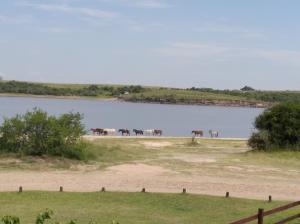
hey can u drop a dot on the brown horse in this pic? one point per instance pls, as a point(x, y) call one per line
point(157, 132)
point(97, 131)
point(199, 133)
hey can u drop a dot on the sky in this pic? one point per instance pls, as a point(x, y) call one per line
point(224, 44)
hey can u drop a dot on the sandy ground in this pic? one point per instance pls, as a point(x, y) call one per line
point(134, 177)
point(206, 176)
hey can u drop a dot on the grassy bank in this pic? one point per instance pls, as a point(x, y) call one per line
point(136, 93)
point(180, 154)
point(131, 208)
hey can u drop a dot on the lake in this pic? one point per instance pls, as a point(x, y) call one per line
point(174, 120)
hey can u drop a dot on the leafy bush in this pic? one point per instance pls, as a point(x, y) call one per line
point(277, 127)
point(36, 133)
point(42, 218)
point(10, 220)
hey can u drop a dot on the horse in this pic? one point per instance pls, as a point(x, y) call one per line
point(157, 132)
point(109, 131)
point(138, 132)
point(214, 134)
point(198, 133)
point(97, 131)
point(149, 132)
point(124, 131)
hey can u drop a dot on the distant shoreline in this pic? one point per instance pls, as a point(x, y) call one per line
point(95, 137)
point(58, 97)
point(222, 103)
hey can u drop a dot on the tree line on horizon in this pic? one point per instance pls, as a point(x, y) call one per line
point(147, 94)
point(43, 89)
point(252, 94)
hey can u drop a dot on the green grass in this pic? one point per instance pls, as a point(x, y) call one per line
point(112, 151)
point(131, 208)
point(154, 208)
point(179, 154)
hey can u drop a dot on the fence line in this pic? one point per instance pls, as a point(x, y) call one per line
point(261, 214)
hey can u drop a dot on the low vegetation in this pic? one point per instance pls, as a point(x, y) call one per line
point(130, 208)
point(247, 96)
point(248, 93)
point(278, 128)
point(37, 134)
point(66, 90)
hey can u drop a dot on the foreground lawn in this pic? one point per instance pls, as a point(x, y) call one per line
point(130, 208)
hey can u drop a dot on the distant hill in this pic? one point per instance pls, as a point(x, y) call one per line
point(136, 93)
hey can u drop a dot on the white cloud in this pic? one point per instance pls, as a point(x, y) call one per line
point(191, 50)
point(217, 52)
point(286, 57)
point(225, 28)
point(55, 30)
point(64, 8)
point(15, 19)
point(149, 4)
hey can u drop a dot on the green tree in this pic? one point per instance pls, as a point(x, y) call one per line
point(278, 126)
point(36, 133)
point(247, 88)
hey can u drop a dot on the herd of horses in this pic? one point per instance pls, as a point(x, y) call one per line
point(149, 132)
point(126, 132)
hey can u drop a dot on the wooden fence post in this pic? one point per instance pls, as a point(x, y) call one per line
point(270, 198)
point(260, 216)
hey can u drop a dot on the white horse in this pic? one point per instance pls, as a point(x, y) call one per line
point(149, 132)
point(109, 131)
point(214, 134)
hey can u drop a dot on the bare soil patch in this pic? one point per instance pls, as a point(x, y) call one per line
point(166, 165)
point(156, 144)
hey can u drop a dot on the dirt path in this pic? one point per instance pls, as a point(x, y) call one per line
point(133, 177)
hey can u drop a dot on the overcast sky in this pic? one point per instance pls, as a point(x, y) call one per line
point(181, 43)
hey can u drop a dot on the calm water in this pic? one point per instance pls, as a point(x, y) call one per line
point(174, 120)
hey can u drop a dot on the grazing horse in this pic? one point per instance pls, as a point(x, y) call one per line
point(124, 131)
point(214, 134)
point(138, 132)
point(198, 133)
point(157, 132)
point(149, 132)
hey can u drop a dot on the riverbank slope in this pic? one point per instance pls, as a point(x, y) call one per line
point(147, 94)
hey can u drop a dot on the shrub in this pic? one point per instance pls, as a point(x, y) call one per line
point(42, 218)
point(36, 133)
point(10, 220)
point(278, 126)
point(259, 141)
